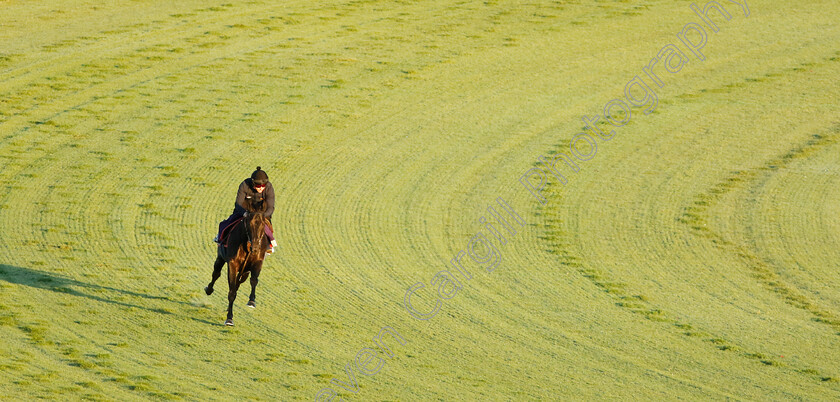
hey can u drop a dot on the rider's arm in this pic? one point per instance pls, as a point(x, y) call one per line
point(269, 199)
point(240, 195)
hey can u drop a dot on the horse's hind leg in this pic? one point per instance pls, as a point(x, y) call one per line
point(255, 278)
point(243, 278)
point(217, 272)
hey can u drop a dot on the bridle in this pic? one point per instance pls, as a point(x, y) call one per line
point(249, 237)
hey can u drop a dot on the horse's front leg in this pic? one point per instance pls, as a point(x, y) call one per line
point(255, 278)
point(233, 286)
point(217, 272)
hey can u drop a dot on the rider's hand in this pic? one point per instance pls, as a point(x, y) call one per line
point(245, 214)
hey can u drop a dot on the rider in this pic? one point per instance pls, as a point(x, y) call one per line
point(257, 187)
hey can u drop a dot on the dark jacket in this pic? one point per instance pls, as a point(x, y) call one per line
point(246, 189)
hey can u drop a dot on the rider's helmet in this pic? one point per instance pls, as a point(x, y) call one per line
point(259, 177)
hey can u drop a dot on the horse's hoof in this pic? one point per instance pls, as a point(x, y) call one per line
point(208, 290)
point(229, 322)
point(252, 304)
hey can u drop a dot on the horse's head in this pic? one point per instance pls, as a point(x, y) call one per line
point(255, 224)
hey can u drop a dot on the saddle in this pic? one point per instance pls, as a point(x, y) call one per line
point(226, 232)
point(229, 228)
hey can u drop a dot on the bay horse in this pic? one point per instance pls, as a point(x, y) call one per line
point(243, 251)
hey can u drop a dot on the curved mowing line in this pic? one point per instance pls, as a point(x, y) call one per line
point(696, 217)
point(557, 243)
point(133, 84)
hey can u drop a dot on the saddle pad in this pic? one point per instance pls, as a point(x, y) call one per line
point(226, 231)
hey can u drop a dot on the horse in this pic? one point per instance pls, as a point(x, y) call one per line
point(244, 252)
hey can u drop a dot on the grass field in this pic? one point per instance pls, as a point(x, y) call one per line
point(695, 256)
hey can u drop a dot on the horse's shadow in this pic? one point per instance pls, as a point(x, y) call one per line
point(56, 283)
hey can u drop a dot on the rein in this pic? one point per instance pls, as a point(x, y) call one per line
point(248, 236)
point(247, 227)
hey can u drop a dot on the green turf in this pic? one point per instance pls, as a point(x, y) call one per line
point(695, 256)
